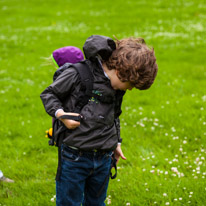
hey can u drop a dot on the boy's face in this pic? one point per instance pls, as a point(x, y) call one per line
point(117, 84)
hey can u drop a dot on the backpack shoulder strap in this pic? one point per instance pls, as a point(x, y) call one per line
point(85, 75)
point(87, 80)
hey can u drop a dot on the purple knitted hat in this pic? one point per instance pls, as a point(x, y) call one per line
point(68, 54)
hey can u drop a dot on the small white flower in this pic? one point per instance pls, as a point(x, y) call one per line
point(164, 194)
point(204, 98)
point(142, 125)
point(180, 198)
point(167, 203)
point(174, 169)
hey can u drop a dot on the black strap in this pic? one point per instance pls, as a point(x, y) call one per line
point(113, 164)
point(86, 85)
point(85, 75)
point(72, 117)
point(59, 168)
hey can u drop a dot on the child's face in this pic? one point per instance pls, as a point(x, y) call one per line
point(117, 84)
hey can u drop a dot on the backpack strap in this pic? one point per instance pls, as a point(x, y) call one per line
point(87, 80)
point(71, 117)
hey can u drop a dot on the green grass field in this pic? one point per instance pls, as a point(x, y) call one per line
point(163, 128)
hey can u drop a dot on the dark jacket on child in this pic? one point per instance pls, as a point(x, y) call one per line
point(100, 127)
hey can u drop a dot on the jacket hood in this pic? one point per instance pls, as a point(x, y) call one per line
point(97, 45)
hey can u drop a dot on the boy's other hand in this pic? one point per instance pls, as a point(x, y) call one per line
point(118, 153)
point(70, 124)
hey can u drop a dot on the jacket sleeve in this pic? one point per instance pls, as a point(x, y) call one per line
point(118, 111)
point(117, 124)
point(54, 95)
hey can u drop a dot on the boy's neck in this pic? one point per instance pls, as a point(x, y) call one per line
point(110, 73)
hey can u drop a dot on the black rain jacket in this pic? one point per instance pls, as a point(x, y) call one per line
point(100, 127)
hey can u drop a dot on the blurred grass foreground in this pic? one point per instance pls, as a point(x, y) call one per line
point(163, 128)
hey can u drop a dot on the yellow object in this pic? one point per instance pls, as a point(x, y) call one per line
point(50, 131)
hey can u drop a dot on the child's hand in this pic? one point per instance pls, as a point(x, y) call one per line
point(118, 153)
point(70, 124)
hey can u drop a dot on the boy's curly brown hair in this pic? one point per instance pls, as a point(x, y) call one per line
point(134, 62)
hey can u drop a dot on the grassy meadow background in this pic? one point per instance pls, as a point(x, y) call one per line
point(163, 128)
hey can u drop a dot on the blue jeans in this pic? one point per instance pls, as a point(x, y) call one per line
point(84, 178)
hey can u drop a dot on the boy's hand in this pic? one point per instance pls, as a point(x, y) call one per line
point(118, 153)
point(70, 124)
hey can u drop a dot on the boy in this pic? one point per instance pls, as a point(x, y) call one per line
point(88, 145)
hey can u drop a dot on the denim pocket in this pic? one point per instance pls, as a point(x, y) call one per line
point(70, 155)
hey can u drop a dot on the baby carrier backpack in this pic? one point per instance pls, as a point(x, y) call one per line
point(68, 57)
